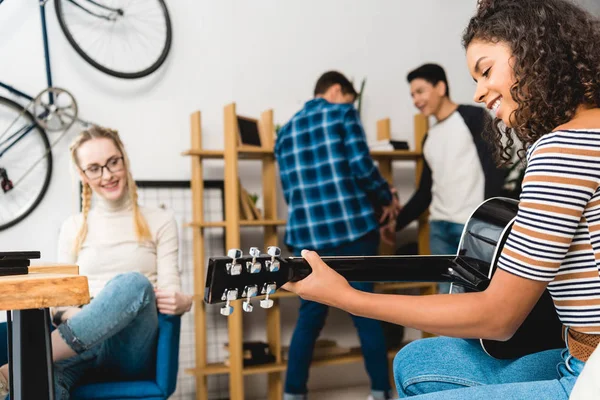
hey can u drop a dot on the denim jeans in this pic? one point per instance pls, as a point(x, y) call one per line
point(114, 336)
point(311, 319)
point(446, 368)
point(444, 238)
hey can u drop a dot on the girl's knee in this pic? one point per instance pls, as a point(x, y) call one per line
point(414, 351)
point(135, 281)
point(433, 365)
point(134, 285)
point(412, 360)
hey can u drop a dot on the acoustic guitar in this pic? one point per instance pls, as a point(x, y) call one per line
point(244, 277)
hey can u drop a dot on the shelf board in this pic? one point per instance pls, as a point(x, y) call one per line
point(213, 224)
point(222, 224)
point(204, 153)
point(244, 152)
point(280, 293)
point(221, 368)
point(396, 154)
point(354, 356)
point(265, 368)
point(209, 369)
point(263, 222)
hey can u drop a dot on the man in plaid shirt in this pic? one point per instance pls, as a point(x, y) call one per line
point(332, 188)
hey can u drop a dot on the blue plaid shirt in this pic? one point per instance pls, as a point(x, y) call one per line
point(329, 180)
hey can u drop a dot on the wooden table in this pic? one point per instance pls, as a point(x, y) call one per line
point(27, 299)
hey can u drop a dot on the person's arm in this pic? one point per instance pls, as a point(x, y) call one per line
point(169, 298)
point(495, 313)
point(537, 244)
point(419, 202)
point(362, 166)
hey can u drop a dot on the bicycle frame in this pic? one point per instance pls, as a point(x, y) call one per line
point(22, 133)
point(42, 4)
point(15, 137)
point(46, 58)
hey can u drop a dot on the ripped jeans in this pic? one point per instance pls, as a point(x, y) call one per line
point(114, 336)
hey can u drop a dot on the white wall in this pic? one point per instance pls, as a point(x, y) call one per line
point(260, 54)
point(591, 5)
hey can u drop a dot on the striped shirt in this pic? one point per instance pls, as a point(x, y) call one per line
point(556, 235)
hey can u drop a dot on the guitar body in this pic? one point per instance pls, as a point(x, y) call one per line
point(243, 277)
point(481, 244)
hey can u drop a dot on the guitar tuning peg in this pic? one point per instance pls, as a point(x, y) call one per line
point(254, 252)
point(250, 292)
point(234, 253)
point(268, 289)
point(274, 251)
point(273, 264)
point(266, 303)
point(227, 309)
point(253, 266)
point(234, 268)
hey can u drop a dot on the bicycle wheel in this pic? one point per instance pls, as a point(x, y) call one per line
point(123, 38)
point(25, 163)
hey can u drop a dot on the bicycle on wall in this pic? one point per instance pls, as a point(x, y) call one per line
point(126, 39)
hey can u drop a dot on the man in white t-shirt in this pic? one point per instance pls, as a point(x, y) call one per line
point(459, 170)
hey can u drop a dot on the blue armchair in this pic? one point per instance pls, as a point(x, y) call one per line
point(167, 365)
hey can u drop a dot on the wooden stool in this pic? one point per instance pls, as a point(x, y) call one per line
point(27, 299)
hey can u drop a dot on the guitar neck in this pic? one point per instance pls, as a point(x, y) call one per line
point(444, 268)
point(230, 278)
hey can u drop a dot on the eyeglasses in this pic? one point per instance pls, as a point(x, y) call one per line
point(95, 171)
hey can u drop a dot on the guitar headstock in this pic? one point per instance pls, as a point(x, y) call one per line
point(240, 276)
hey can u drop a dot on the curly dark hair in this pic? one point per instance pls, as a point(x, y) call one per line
point(556, 50)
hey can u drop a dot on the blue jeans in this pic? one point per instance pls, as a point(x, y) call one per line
point(444, 238)
point(446, 368)
point(114, 336)
point(311, 319)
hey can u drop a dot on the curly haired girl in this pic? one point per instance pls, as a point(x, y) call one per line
point(537, 66)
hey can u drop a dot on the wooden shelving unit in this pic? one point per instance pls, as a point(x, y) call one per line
point(385, 160)
point(231, 155)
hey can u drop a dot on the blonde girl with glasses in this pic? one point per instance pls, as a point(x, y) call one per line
point(129, 254)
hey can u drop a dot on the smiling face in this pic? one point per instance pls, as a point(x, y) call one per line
point(490, 65)
point(427, 97)
point(102, 166)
